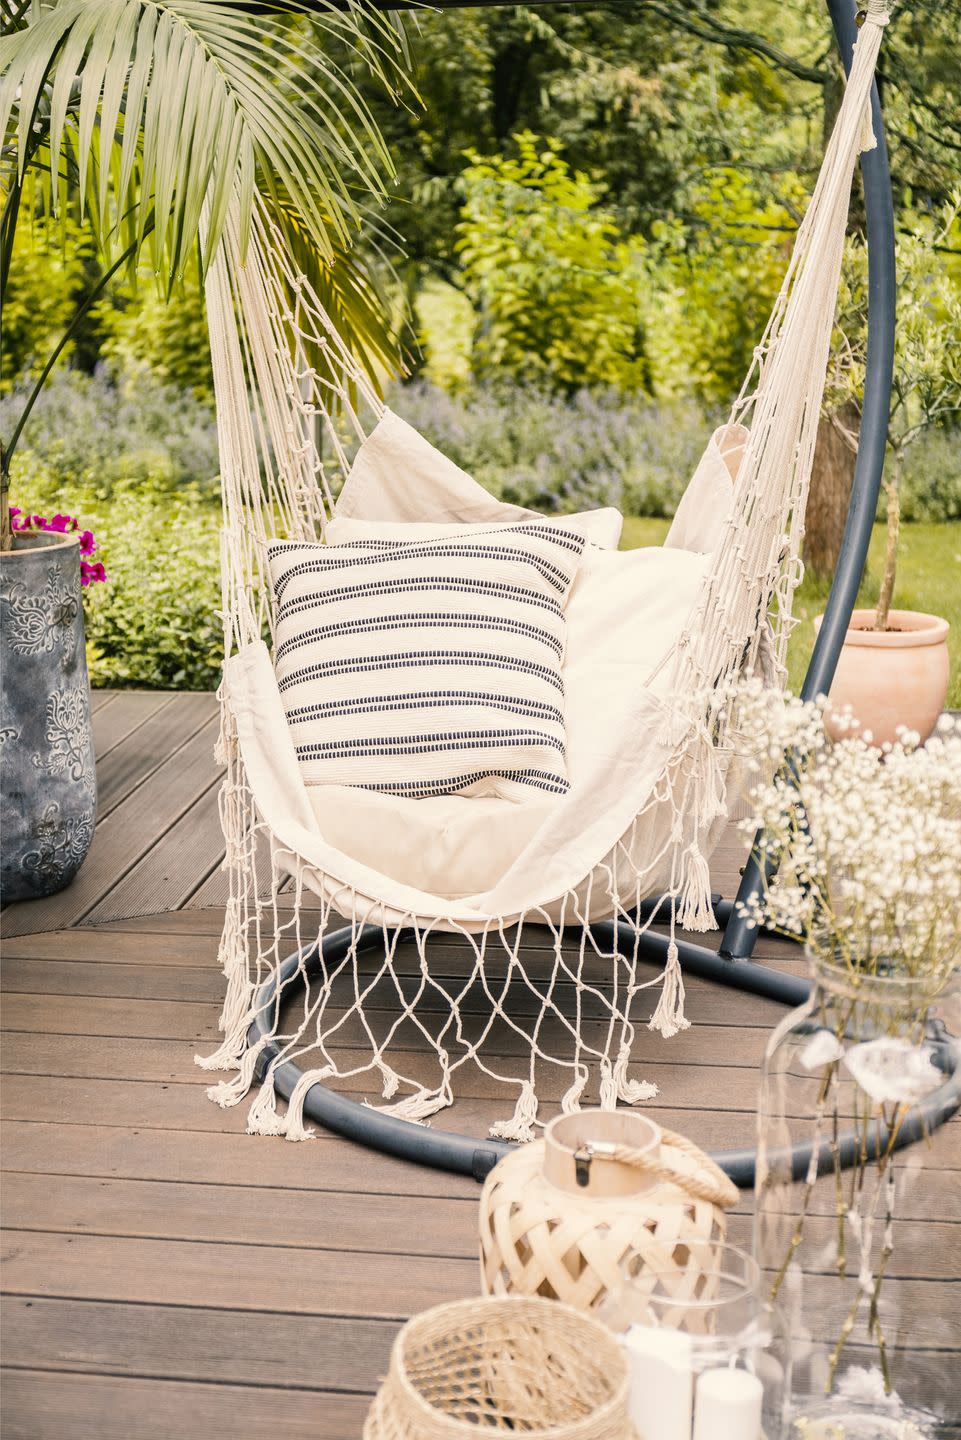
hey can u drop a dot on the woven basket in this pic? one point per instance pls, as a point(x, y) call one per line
point(517, 1366)
point(560, 1218)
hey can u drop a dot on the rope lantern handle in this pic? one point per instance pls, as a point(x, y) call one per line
point(707, 1181)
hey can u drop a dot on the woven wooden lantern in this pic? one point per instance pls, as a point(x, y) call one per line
point(504, 1366)
point(559, 1217)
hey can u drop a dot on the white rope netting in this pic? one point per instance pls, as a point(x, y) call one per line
point(282, 424)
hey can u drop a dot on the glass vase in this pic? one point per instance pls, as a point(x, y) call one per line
point(839, 1246)
point(718, 1323)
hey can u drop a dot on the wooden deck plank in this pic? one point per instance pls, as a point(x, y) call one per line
point(186, 1343)
point(168, 874)
point(167, 1342)
point(172, 1276)
point(261, 1277)
point(140, 753)
point(131, 1015)
point(138, 1153)
point(138, 1102)
point(85, 977)
point(158, 1210)
point(327, 1163)
point(224, 1275)
point(42, 1405)
point(127, 710)
point(299, 1219)
point(110, 1057)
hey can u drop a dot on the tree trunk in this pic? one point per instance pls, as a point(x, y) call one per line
point(830, 492)
point(886, 595)
point(6, 534)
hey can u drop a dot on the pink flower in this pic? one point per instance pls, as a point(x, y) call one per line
point(61, 523)
point(90, 573)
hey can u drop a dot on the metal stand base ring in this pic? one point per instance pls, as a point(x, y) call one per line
point(465, 1155)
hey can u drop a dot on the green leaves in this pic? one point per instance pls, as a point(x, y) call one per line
point(556, 289)
point(158, 106)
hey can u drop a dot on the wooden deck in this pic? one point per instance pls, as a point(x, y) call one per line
point(167, 1277)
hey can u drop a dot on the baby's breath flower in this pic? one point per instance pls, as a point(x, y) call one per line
point(867, 844)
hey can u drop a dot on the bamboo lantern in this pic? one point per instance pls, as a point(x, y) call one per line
point(503, 1366)
point(559, 1217)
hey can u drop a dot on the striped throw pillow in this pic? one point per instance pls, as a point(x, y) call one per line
point(433, 667)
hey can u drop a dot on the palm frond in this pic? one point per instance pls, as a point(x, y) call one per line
point(163, 105)
point(353, 293)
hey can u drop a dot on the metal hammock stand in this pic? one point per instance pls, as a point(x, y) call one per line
point(732, 965)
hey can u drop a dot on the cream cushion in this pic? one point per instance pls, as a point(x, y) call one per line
point(455, 861)
point(624, 615)
point(399, 476)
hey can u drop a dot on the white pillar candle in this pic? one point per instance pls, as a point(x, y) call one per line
point(662, 1383)
point(727, 1405)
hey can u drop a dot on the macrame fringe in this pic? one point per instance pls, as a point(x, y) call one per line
point(571, 1099)
point(231, 1092)
point(263, 1117)
point(632, 1092)
point(417, 1107)
point(520, 1126)
point(695, 911)
point(669, 1017)
point(295, 1128)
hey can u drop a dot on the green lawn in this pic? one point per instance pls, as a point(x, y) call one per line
point(929, 579)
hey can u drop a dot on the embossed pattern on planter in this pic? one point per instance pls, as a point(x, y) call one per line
point(48, 792)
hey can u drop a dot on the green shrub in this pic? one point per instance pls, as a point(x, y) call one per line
point(154, 622)
point(556, 289)
point(49, 277)
point(931, 485)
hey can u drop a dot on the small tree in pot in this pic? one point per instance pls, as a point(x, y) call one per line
point(150, 119)
point(894, 668)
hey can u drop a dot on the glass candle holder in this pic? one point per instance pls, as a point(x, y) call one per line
point(706, 1353)
point(837, 1244)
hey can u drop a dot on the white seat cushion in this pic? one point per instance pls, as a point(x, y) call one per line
point(626, 611)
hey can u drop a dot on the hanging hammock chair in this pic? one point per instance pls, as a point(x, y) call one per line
point(330, 865)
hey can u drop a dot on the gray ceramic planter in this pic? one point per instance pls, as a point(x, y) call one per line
point(48, 790)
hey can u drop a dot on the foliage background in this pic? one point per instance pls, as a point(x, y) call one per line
point(592, 213)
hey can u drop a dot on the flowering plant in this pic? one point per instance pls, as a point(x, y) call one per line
point(91, 571)
point(861, 854)
point(867, 842)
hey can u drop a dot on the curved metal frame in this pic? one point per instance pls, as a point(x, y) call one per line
point(732, 966)
point(449, 1150)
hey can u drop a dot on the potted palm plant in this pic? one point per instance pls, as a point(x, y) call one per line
point(147, 119)
point(894, 667)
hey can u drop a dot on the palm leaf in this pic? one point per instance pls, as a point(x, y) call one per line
point(352, 292)
point(203, 100)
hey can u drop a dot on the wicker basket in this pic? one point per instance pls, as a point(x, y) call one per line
point(516, 1365)
point(560, 1217)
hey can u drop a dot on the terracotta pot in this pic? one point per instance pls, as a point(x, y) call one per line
point(893, 677)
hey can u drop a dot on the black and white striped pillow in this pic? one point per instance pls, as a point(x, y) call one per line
point(429, 667)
